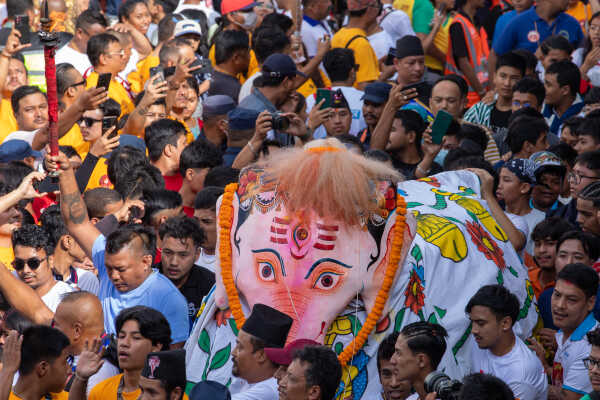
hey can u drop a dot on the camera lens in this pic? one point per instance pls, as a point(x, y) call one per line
point(280, 123)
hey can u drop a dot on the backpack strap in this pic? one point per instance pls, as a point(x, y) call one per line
point(354, 38)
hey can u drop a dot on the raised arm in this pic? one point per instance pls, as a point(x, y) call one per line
point(398, 98)
point(73, 208)
point(87, 100)
point(12, 47)
point(23, 298)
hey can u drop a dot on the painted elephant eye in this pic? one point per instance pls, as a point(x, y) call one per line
point(327, 281)
point(266, 271)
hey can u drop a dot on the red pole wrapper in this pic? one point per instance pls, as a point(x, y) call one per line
point(50, 70)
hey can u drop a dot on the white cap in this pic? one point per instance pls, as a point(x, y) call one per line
point(186, 26)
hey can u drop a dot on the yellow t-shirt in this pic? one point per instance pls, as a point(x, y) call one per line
point(252, 66)
point(107, 389)
point(99, 177)
point(7, 257)
point(8, 123)
point(75, 139)
point(581, 12)
point(116, 91)
point(137, 79)
point(55, 396)
point(440, 40)
point(364, 56)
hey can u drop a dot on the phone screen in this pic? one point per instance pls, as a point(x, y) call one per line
point(104, 80)
point(324, 94)
point(22, 25)
point(440, 126)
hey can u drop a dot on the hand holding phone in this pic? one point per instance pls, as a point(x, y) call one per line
point(104, 80)
point(157, 74)
point(440, 126)
point(324, 94)
point(22, 25)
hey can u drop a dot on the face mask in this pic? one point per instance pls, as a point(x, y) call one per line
point(441, 156)
point(249, 19)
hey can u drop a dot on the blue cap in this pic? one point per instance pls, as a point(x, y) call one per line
point(17, 150)
point(210, 390)
point(277, 65)
point(547, 161)
point(377, 92)
point(241, 119)
point(218, 104)
point(131, 141)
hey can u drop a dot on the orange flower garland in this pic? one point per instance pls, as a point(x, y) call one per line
point(188, 134)
point(225, 223)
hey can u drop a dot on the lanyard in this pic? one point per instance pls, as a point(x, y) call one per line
point(538, 32)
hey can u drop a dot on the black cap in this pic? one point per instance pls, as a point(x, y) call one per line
point(218, 104)
point(210, 390)
point(277, 65)
point(338, 100)
point(168, 366)
point(269, 325)
point(377, 92)
point(408, 46)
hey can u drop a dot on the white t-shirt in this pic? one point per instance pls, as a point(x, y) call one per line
point(54, 296)
point(381, 42)
point(246, 89)
point(207, 261)
point(265, 390)
point(312, 31)
point(568, 370)
point(521, 224)
point(67, 54)
point(354, 98)
point(397, 24)
point(520, 369)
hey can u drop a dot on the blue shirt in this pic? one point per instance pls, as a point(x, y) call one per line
point(501, 24)
point(554, 121)
point(156, 292)
point(528, 30)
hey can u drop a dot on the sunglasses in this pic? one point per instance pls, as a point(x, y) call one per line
point(32, 263)
point(88, 121)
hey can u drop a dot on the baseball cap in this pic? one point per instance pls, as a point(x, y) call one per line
point(377, 92)
point(523, 168)
point(241, 119)
point(218, 104)
point(356, 5)
point(228, 6)
point(280, 65)
point(186, 26)
point(17, 150)
point(284, 356)
point(547, 161)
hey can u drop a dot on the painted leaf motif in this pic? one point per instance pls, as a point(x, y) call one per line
point(220, 358)
point(204, 342)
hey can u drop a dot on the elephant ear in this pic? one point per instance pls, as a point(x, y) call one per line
point(376, 270)
point(220, 294)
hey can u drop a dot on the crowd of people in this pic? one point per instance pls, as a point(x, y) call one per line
point(104, 269)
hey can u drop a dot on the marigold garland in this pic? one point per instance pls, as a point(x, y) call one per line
point(225, 223)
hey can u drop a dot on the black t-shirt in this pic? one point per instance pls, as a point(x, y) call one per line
point(408, 170)
point(221, 83)
point(499, 125)
point(199, 283)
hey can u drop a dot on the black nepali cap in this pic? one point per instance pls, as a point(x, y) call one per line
point(168, 366)
point(210, 390)
point(268, 324)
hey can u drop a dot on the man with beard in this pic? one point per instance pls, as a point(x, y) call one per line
point(266, 327)
point(374, 99)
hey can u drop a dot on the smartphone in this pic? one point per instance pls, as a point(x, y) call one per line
point(158, 70)
point(22, 25)
point(107, 123)
point(169, 71)
point(440, 126)
point(104, 80)
point(389, 60)
point(324, 94)
point(417, 86)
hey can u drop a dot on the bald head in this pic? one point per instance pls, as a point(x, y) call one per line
point(79, 316)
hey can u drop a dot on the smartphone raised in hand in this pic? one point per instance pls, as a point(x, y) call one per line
point(440, 126)
point(157, 71)
point(104, 80)
point(324, 94)
point(107, 123)
point(22, 25)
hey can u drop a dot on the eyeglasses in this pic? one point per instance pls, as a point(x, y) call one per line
point(33, 263)
point(590, 363)
point(78, 84)
point(87, 121)
point(117, 53)
point(576, 178)
point(521, 105)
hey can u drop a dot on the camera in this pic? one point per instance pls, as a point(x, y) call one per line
point(279, 122)
point(446, 388)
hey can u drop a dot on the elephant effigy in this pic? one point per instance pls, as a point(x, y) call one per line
point(352, 254)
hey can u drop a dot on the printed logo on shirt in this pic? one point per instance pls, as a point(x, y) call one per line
point(533, 36)
point(355, 114)
point(153, 363)
point(105, 182)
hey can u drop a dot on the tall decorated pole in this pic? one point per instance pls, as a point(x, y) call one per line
point(50, 41)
